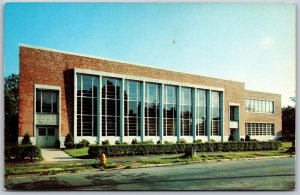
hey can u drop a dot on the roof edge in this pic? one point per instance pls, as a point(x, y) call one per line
point(268, 93)
point(119, 61)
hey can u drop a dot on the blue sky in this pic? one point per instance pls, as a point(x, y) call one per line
point(252, 43)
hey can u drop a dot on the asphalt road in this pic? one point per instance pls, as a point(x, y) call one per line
point(268, 174)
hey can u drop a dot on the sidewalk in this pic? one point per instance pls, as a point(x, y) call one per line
point(55, 155)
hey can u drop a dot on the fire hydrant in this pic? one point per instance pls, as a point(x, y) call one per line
point(102, 159)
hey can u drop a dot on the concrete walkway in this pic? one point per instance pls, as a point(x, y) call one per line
point(52, 154)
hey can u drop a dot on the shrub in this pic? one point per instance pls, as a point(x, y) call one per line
point(69, 141)
point(69, 145)
point(23, 152)
point(181, 141)
point(134, 141)
point(212, 140)
point(253, 140)
point(78, 145)
point(85, 143)
point(26, 140)
point(141, 149)
point(247, 138)
point(168, 142)
point(230, 138)
point(197, 141)
point(117, 142)
point(147, 142)
point(124, 143)
point(242, 140)
point(158, 142)
point(57, 144)
point(105, 142)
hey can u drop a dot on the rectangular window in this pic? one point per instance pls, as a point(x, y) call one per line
point(152, 109)
point(201, 112)
point(87, 105)
point(259, 129)
point(170, 103)
point(186, 112)
point(259, 106)
point(46, 101)
point(215, 109)
point(110, 106)
point(132, 108)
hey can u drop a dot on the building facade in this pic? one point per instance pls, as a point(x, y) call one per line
point(98, 99)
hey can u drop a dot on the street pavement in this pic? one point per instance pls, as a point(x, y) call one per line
point(264, 174)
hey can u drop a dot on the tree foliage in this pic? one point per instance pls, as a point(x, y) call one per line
point(288, 123)
point(11, 105)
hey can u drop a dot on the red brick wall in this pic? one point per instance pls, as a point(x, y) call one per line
point(39, 66)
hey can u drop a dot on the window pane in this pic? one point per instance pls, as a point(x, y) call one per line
point(42, 131)
point(271, 107)
point(200, 112)
point(38, 101)
point(51, 131)
point(87, 105)
point(133, 111)
point(263, 107)
point(215, 122)
point(170, 110)
point(46, 102)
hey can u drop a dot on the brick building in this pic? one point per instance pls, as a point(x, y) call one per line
point(98, 99)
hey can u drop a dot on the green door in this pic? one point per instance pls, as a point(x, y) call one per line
point(46, 137)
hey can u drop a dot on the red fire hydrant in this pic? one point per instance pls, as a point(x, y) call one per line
point(102, 159)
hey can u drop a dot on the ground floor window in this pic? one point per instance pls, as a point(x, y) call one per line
point(260, 129)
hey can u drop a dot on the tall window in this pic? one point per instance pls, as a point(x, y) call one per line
point(200, 112)
point(259, 106)
point(87, 95)
point(132, 108)
point(186, 112)
point(46, 101)
point(260, 129)
point(170, 100)
point(110, 106)
point(151, 109)
point(215, 122)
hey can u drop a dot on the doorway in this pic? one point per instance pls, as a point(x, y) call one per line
point(46, 137)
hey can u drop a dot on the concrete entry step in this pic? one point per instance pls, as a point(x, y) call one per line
point(52, 154)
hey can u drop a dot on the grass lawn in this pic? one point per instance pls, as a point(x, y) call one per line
point(286, 145)
point(213, 156)
point(46, 169)
point(78, 153)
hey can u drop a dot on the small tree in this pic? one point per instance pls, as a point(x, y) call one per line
point(69, 141)
point(230, 138)
point(247, 138)
point(26, 140)
point(105, 142)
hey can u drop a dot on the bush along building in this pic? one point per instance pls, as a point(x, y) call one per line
point(97, 99)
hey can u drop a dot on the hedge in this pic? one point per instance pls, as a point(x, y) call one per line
point(22, 152)
point(141, 149)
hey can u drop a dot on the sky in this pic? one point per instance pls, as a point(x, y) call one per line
point(251, 43)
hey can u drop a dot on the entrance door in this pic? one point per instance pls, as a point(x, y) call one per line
point(46, 136)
